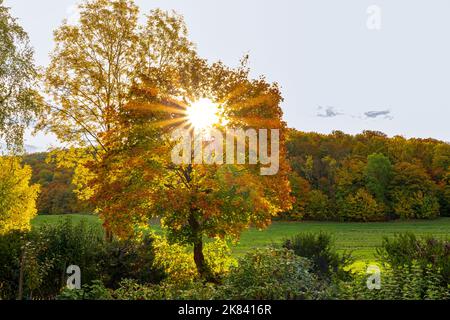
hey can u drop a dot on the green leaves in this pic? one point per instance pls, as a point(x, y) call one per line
point(19, 101)
point(271, 274)
point(378, 175)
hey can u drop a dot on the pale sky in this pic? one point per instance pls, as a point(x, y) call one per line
point(335, 73)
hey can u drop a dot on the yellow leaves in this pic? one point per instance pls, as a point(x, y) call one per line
point(178, 263)
point(77, 159)
point(175, 260)
point(361, 206)
point(17, 197)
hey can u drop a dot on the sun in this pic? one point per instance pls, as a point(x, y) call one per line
point(203, 114)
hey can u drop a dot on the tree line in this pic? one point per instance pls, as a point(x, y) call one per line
point(368, 177)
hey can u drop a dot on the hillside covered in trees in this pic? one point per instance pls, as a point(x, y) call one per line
point(340, 177)
point(56, 190)
point(368, 177)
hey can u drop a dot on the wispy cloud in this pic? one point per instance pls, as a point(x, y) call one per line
point(328, 112)
point(385, 114)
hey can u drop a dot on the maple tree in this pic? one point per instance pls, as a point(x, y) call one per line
point(120, 90)
point(138, 180)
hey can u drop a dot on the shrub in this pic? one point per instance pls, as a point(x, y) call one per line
point(94, 291)
point(130, 259)
point(10, 252)
point(406, 249)
point(64, 244)
point(131, 290)
point(402, 283)
point(319, 249)
point(218, 258)
point(271, 274)
point(18, 254)
point(178, 263)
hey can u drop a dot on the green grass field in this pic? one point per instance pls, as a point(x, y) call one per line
point(360, 238)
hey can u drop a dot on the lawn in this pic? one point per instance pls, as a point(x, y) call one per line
point(360, 238)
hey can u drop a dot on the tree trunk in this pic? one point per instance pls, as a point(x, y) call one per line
point(197, 241)
point(21, 273)
point(199, 259)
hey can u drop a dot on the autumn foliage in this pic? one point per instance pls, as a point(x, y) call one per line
point(120, 89)
point(368, 177)
point(17, 196)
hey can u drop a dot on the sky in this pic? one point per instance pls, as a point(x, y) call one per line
point(348, 65)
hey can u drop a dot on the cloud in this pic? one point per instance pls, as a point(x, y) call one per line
point(385, 114)
point(332, 112)
point(329, 112)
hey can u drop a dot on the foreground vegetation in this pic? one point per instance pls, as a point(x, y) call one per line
point(304, 266)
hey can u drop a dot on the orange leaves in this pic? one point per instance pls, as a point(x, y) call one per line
point(133, 179)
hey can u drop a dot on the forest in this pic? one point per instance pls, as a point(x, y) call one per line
point(368, 177)
point(337, 177)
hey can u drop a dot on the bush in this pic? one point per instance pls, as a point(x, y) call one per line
point(45, 254)
point(410, 282)
point(178, 263)
point(406, 249)
point(218, 258)
point(130, 290)
point(318, 248)
point(94, 291)
point(10, 252)
point(130, 259)
point(271, 274)
point(18, 254)
point(64, 244)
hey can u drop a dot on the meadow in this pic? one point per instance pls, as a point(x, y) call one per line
point(361, 239)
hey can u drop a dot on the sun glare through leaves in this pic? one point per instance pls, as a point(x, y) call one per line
point(203, 114)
